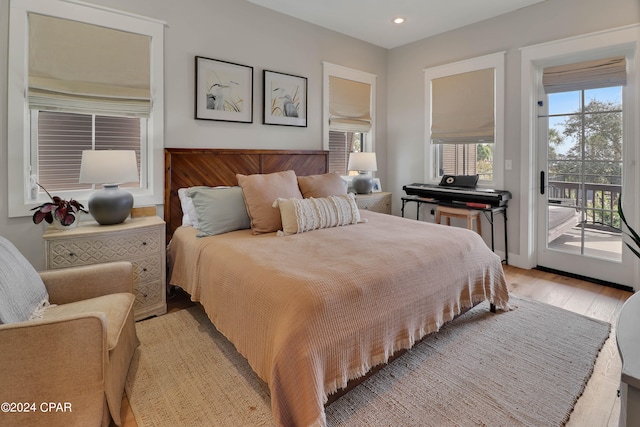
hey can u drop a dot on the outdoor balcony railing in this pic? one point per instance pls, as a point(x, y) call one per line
point(598, 201)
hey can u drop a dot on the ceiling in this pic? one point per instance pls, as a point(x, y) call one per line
point(371, 20)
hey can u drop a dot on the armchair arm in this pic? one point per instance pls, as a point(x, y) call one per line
point(71, 284)
point(55, 360)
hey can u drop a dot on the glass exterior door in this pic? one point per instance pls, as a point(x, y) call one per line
point(580, 183)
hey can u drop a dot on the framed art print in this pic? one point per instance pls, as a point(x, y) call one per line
point(285, 99)
point(377, 188)
point(224, 91)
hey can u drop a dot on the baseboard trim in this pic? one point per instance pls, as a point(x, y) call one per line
point(585, 278)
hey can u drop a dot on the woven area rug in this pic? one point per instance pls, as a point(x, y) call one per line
point(525, 367)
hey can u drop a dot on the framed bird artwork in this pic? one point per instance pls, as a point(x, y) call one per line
point(285, 99)
point(224, 91)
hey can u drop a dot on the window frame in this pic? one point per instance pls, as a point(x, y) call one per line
point(328, 70)
point(19, 115)
point(495, 61)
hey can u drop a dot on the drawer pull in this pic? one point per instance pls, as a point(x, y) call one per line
point(144, 269)
point(72, 254)
point(144, 243)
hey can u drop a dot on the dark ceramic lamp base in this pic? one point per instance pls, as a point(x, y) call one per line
point(111, 205)
point(362, 183)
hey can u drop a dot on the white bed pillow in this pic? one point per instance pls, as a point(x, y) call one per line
point(189, 217)
point(218, 210)
point(300, 215)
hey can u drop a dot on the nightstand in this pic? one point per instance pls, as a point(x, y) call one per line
point(375, 202)
point(139, 240)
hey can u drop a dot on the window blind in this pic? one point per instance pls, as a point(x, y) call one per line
point(340, 145)
point(63, 136)
point(463, 108)
point(594, 74)
point(349, 105)
point(64, 53)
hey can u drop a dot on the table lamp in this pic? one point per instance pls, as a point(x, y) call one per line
point(363, 163)
point(111, 205)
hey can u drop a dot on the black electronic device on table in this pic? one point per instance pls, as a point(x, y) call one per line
point(466, 181)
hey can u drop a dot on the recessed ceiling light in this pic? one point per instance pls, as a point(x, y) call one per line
point(398, 20)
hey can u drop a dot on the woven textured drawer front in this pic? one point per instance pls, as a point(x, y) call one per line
point(146, 269)
point(109, 247)
point(147, 293)
point(374, 203)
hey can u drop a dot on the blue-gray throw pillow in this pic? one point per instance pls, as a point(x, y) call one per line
point(22, 293)
point(219, 210)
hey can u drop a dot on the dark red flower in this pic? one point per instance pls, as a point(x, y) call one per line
point(63, 210)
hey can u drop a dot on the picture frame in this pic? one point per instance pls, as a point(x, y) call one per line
point(285, 99)
point(223, 91)
point(377, 187)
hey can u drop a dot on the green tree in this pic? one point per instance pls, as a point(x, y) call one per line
point(555, 140)
point(484, 152)
point(598, 140)
point(599, 132)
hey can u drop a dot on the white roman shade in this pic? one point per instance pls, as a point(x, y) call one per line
point(84, 68)
point(463, 108)
point(349, 105)
point(594, 74)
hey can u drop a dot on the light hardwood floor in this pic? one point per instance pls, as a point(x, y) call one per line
point(599, 405)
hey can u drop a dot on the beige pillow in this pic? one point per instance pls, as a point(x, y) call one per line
point(325, 185)
point(260, 191)
point(309, 214)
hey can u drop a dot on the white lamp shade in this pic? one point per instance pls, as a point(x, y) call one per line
point(108, 167)
point(362, 162)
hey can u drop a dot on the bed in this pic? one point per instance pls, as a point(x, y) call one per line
point(314, 311)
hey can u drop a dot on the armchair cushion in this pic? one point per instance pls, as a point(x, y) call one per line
point(23, 295)
point(116, 308)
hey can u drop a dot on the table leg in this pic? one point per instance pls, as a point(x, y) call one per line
point(506, 247)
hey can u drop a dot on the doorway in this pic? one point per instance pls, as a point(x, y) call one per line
point(581, 162)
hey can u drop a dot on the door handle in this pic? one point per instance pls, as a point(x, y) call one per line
point(541, 182)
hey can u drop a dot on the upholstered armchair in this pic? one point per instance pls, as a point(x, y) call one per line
point(65, 364)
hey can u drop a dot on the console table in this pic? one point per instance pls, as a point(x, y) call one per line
point(489, 213)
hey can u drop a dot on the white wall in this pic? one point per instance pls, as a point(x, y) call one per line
point(550, 20)
point(234, 31)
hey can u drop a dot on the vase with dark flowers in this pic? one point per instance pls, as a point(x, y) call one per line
point(59, 212)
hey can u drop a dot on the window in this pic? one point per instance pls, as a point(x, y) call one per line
point(60, 138)
point(66, 94)
point(464, 159)
point(349, 114)
point(340, 145)
point(465, 120)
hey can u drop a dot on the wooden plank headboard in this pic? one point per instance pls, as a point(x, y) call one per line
point(186, 167)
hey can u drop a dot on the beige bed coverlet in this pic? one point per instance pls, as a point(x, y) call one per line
point(311, 311)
